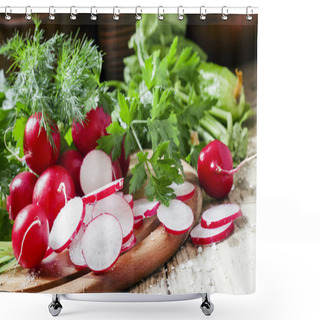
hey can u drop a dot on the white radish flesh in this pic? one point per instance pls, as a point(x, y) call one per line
point(103, 192)
point(177, 218)
point(129, 244)
point(88, 215)
point(67, 224)
point(203, 236)
point(75, 249)
point(102, 242)
point(143, 208)
point(129, 199)
point(220, 215)
point(120, 209)
point(183, 191)
point(95, 171)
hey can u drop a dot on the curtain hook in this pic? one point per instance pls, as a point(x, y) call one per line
point(51, 13)
point(116, 14)
point(138, 15)
point(203, 13)
point(7, 10)
point(93, 16)
point(28, 13)
point(248, 14)
point(73, 13)
point(160, 15)
point(224, 13)
point(180, 13)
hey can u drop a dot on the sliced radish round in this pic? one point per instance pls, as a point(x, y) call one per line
point(143, 208)
point(119, 193)
point(129, 244)
point(183, 191)
point(102, 242)
point(88, 215)
point(220, 215)
point(67, 224)
point(95, 171)
point(203, 236)
point(103, 192)
point(120, 209)
point(129, 199)
point(177, 218)
point(49, 252)
point(75, 249)
point(137, 223)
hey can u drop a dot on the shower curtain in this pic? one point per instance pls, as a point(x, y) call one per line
point(128, 153)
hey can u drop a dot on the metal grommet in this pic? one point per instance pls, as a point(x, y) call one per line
point(203, 13)
point(7, 10)
point(138, 14)
point(248, 14)
point(180, 13)
point(116, 14)
point(28, 13)
point(224, 13)
point(51, 13)
point(160, 15)
point(93, 15)
point(73, 13)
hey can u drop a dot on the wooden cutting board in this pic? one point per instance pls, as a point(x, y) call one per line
point(155, 246)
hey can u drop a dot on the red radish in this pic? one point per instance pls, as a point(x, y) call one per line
point(103, 192)
point(71, 160)
point(30, 234)
point(129, 244)
point(220, 215)
point(124, 163)
point(129, 199)
point(67, 224)
point(143, 208)
point(102, 242)
point(183, 191)
point(48, 193)
point(137, 223)
point(203, 236)
point(177, 218)
point(88, 215)
point(95, 171)
point(86, 134)
point(120, 209)
point(75, 249)
point(21, 189)
point(116, 170)
point(39, 153)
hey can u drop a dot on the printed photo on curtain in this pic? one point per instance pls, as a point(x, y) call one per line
point(128, 153)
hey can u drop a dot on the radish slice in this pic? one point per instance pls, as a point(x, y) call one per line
point(177, 218)
point(103, 192)
point(95, 171)
point(88, 215)
point(67, 224)
point(220, 215)
point(137, 223)
point(120, 209)
point(143, 208)
point(49, 252)
point(183, 191)
point(129, 244)
point(203, 236)
point(75, 249)
point(102, 242)
point(129, 199)
point(119, 193)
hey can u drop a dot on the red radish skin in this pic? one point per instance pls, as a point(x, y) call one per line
point(212, 157)
point(137, 223)
point(102, 242)
point(143, 208)
point(95, 171)
point(21, 190)
point(202, 236)
point(220, 215)
point(129, 199)
point(86, 134)
point(30, 234)
point(72, 160)
point(67, 224)
point(75, 249)
point(183, 191)
point(116, 170)
point(49, 252)
point(47, 192)
point(129, 244)
point(39, 153)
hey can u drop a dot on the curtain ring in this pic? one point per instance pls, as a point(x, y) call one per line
point(116, 14)
point(248, 14)
point(51, 13)
point(180, 13)
point(160, 15)
point(138, 15)
point(224, 13)
point(73, 13)
point(203, 13)
point(28, 13)
point(7, 10)
point(93, 16)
